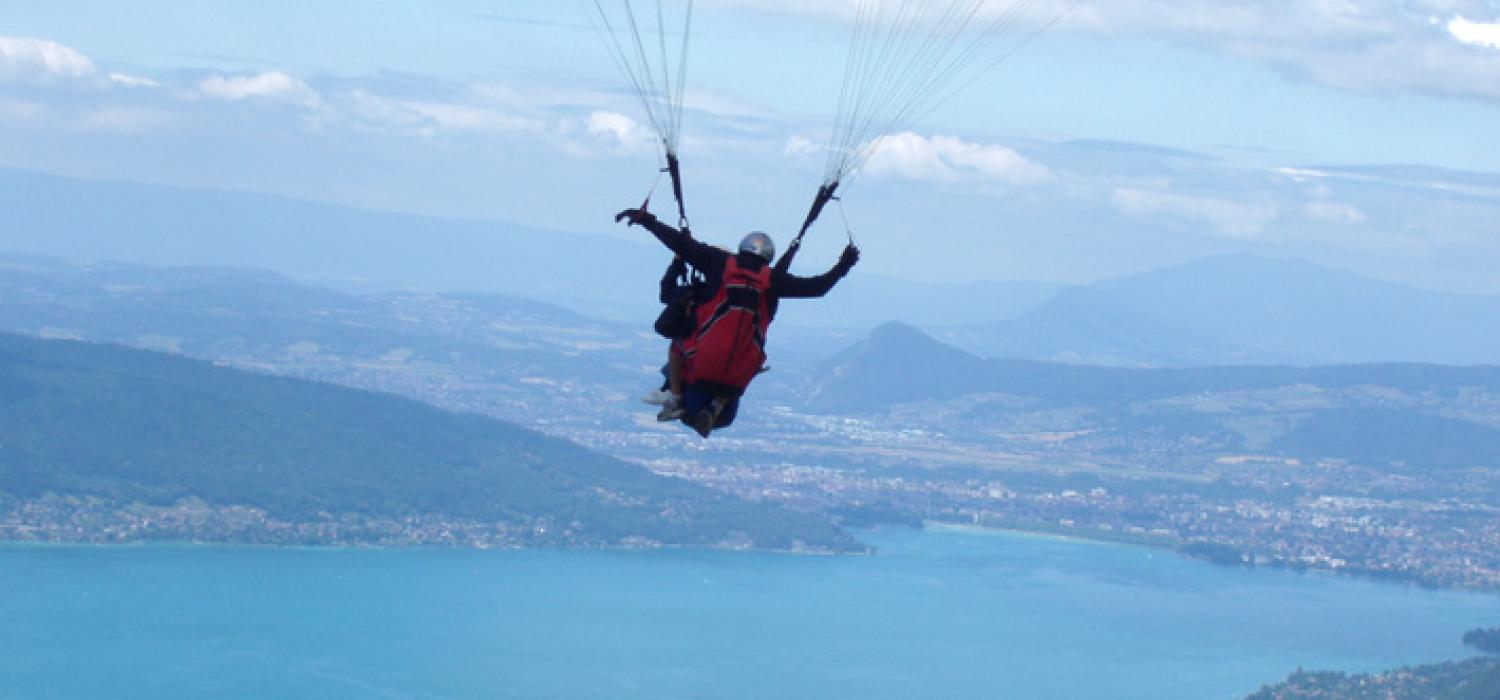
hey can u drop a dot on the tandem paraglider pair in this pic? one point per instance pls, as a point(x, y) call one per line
point(719, 345)
point(906, 57)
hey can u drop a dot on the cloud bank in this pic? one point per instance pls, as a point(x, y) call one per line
point(1441, 47)
point(489, 150)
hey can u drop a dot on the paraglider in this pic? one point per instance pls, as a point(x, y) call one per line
point(905, 58)
point(725, 348)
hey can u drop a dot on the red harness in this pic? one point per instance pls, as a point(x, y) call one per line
point(728, 346)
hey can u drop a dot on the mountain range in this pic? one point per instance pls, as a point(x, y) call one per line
point(553, 369)
point(1376, 414)
point(1245, 310)
point(98, 221)
point(1219, 310)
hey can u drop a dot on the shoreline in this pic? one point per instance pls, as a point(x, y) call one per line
point(430, 547)
point(988, 530)
point(1178, 550)
point(935, 526)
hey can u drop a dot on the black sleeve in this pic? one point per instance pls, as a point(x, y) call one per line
point(784, 263)
point(701, 255)
point(669, 279)
point(789, 286)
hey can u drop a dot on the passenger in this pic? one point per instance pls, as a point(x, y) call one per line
point(678, 293)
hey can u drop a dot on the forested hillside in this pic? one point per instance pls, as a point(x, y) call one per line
point(125, 426)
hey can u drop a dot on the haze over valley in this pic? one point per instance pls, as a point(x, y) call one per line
point(1270, 464)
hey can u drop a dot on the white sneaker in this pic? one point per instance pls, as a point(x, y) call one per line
point(670, 410)
point(657, 397)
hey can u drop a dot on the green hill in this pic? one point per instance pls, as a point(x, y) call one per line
point(125, 426)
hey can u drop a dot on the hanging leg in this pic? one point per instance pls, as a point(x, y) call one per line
point(674, 370)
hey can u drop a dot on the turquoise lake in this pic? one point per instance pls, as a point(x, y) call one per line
point(933, 615)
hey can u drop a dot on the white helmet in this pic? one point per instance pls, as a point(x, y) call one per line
point(759, 244)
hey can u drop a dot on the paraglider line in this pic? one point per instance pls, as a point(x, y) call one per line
point(845, 216)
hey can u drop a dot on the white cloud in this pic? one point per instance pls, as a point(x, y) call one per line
point(377, 110)
point(1476, 33)
point(1437, 181)
point(909, 156)
point(460, 117)
point(947, 159)
point(38, 60)
point(431, 118)
point(1302, 174)
point(1228, 217)
point(623, 133)
point(800, 148)
point(270, 85)
point(133, 81)
point(996, 162)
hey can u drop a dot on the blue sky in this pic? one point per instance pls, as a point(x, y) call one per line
point(510, 111)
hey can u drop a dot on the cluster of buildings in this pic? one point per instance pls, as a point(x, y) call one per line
point(94, 521)
point(1445, 543)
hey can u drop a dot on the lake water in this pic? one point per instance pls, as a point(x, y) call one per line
point(934, 615)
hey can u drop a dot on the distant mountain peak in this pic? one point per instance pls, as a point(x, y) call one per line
point(894, 343)
point(896, 361)
point(898, 332)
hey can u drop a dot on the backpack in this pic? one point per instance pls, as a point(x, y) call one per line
point(727, 347)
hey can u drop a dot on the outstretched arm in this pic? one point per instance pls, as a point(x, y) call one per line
point(790, 286)
point(701, 255)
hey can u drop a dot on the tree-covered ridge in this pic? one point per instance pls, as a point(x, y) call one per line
point(124, 426)
point(1474, 679)
point(1485, 640)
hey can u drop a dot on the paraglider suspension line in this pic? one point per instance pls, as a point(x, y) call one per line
point(845, 216)
point(646, 204)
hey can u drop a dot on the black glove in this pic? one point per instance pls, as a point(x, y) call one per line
point(635, 217)
point(849, 257)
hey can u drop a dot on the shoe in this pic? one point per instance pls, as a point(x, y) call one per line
point(703, 422)
point(657, 397)
point(670, 409)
